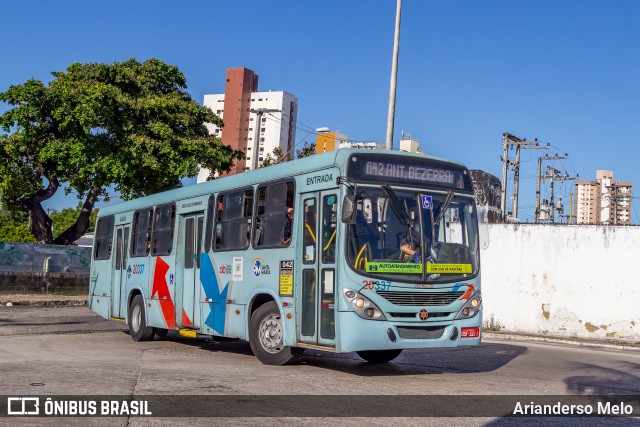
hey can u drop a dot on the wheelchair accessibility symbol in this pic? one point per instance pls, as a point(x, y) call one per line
point(427, 202)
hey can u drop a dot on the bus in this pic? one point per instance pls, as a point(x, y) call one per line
point(356, 250)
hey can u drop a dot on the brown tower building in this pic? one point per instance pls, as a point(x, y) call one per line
point(237, 102)
point(254, 122)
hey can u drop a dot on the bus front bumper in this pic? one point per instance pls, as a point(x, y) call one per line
point(358, 334)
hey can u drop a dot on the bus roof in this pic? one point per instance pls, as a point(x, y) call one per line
point(274, 172)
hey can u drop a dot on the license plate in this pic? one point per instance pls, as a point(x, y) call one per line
point(470, 332)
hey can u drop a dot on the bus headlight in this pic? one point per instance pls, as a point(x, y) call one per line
point(471, 308)
point(363, 306)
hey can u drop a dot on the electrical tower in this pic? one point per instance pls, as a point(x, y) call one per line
point(554, 175)
point(507, 141)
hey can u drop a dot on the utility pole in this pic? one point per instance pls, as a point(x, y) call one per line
point(539, 176)
point(258, 124)
point(394, 78)
point(614, 198)
point(508, 140)
point(555, 175)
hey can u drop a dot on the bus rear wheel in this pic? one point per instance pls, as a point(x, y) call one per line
point(266, 337)
point(379, 356)
point(138, 328)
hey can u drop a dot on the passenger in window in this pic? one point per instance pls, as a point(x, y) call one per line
point(288, 225)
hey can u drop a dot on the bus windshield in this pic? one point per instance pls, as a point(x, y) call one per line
point(413, 236)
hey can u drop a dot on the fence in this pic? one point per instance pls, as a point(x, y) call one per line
point(34, 268)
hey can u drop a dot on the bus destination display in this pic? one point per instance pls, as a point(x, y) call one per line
point(380, 169)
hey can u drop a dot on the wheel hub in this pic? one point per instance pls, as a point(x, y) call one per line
point(136, 318)
point(271, 334)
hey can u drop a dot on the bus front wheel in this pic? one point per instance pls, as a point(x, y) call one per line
point(138, 328)
point(379, 356)
point(266, 337)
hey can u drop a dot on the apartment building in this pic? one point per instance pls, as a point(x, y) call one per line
point(603, 201)
point(254, 122)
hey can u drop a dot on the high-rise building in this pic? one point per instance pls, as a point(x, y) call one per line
point(254, 122)
point(603, 201)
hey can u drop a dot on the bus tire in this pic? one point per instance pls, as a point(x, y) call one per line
point(266, 339)
point(138, 328)
point(379, 356)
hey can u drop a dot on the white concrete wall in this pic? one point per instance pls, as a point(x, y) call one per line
point(577, 281)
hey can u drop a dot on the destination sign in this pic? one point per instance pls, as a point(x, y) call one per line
point(411, 171)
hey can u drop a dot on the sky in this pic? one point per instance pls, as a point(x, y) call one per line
point(565, 72)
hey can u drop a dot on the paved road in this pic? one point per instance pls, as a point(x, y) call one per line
point(69, 350)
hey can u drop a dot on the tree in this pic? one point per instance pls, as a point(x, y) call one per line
point(130, 126)
point(278, 157)
point(61, 221)
point(307, 150)
point(14, 227)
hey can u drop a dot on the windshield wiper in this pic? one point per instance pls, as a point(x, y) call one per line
point(443, 207)
point(438, 217)
point(400, 210)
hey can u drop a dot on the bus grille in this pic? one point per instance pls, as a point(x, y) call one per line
point(420, 298)
point(414, 315)
point(421, 333)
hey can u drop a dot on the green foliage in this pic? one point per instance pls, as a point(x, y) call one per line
point(307, 150)
point(14, 227)
point(67, 217)
point(278, 157)
point(130, 126)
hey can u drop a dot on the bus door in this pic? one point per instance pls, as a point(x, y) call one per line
point(316, 277)
point(119, 280)
point(188, 270)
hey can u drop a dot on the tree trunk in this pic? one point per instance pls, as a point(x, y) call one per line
point(39, 221)
point(77, 230)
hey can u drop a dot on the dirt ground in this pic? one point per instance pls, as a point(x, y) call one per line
point(42, 299)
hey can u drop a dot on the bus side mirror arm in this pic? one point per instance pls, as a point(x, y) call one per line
point(348, 209)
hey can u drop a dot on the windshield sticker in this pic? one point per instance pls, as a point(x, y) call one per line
point(393, 267)
point(427, 202)
point(449, 268)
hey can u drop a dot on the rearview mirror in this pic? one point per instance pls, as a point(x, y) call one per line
point(483, 226)
point(348, 209)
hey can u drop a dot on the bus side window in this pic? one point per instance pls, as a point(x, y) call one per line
point(141, 235)
point(163, 229)
point(104, 238)
point(233, 220)
point(274, 215)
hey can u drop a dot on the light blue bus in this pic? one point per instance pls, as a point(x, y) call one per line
point(365, 251)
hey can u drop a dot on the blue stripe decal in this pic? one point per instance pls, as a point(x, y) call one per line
point(212, 291)
point(456, 287)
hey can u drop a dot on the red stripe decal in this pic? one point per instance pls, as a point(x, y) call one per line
point(161, 289)
point(469, 292)
point(185, 319)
